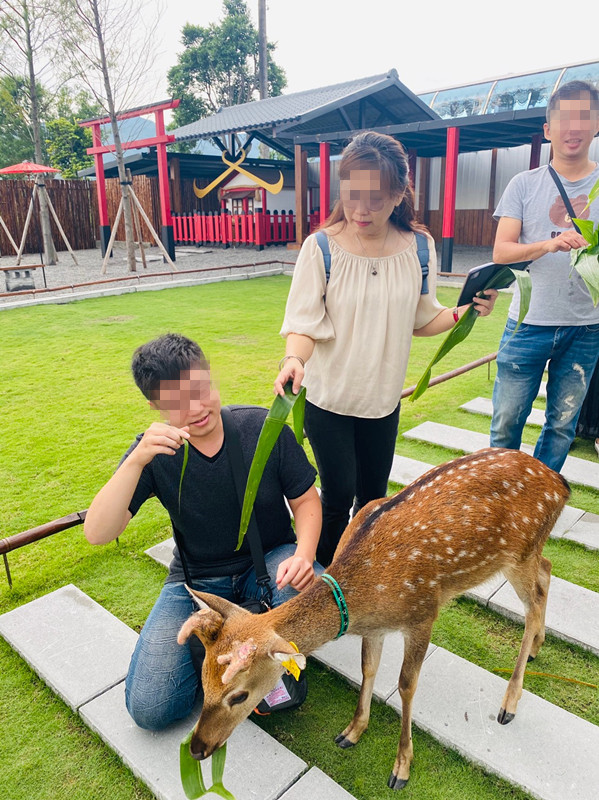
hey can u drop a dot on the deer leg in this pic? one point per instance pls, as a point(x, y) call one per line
point(372, 647)
point(415, 644)
point(530, 581)
point(542, 588)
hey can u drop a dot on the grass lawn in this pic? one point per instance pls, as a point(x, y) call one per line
point(71, 410)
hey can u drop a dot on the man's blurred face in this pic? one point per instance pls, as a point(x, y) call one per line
point(193, 401)
point(572, 126)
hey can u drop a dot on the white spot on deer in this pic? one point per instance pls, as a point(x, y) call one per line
point(432, 583)
point(462, 553)
point(450, 471)
point(467, 508)
point(515, 525)
point(448, 538)
point(414, 555)
point(419, 579)
point(506, 484)
point(392, 554)
point(525, 520)
point(480, 528)
point(434, 539)
point(376, 508)
point(463, 466)
point(380, 587)
point(409, 585)
point(394, 534)
point(449, 550)
point(547, 496)
point(502, 540)
point(496, 495)
point(540, 506)
point(556, 496)
point(438, 557)
point(423, 527)
point(530, 471)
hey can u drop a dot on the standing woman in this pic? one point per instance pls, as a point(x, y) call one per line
point(348, 340)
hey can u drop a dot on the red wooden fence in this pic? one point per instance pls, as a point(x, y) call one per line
point(226, 229)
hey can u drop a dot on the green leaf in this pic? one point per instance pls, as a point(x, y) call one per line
point(191, 771)
point(593, 195)
point(456, 335)
point(587, 266)
point(464, 325)
point(588, 229)
point(183, 468)
point(218, 763)
point(271, 429)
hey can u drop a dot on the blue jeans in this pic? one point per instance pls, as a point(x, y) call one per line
point(572, 353)
point(161, 685)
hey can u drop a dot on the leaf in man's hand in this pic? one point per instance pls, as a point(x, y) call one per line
point(587, 266)
point(593, 194)
point(588, 230)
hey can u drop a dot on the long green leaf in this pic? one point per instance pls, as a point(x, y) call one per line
point(218, 767)
point(587, 266)
point(191, 771)
point(271, 429)
point(589, 230)
point(464, 325)
point(593, 194)
point(183, 468)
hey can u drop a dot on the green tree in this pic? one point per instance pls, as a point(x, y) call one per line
point(66, 142)
point(16, 142)
point(219, 66)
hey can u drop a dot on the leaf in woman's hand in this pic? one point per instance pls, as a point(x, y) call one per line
point(271, 429)
point(456, 335)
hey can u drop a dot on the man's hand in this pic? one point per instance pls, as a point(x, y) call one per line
point(297, 571)
point(159, 438)
point(566, 241)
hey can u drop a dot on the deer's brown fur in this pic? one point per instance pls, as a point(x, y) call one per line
point(398, 561)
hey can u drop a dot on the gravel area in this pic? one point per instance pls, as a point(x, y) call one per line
point(233, 263)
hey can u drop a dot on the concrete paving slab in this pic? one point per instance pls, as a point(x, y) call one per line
point(484, 406)
point(74, 644)
point(315, 785)
point(344, 656)
point(485, 591)
point(162, 552)
point(572, 612)
point(543, 390)
point(575, 470)
point(585, 531)
point(257, 768)
point(566, 522)
point(405, 470)
point(547, 751)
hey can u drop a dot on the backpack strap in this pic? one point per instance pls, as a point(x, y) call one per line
point(423, 257)
point(323, 242)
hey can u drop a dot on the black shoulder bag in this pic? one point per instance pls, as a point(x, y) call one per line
point(288, 693)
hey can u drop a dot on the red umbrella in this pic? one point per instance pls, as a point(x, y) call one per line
point(26, 166)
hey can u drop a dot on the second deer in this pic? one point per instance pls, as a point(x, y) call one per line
point(398, 561)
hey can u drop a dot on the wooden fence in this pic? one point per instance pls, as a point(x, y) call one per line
point(73, 201)
point(222, 228)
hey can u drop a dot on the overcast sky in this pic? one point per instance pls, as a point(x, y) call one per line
point(432, 44)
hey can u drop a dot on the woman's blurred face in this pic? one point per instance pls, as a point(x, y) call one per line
point(367, 204)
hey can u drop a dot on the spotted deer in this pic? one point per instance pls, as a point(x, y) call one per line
point(398, 561)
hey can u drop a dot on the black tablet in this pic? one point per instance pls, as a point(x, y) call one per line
point(479, 277)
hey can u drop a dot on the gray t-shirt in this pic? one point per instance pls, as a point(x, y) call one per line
point(559, 295)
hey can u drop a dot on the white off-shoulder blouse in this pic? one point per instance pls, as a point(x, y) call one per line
point(362, 328)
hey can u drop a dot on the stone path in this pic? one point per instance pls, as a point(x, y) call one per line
point(484, 406)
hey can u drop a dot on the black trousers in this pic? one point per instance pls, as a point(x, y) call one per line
point(354, 457)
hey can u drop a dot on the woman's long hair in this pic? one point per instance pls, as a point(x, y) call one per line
point(370, 150)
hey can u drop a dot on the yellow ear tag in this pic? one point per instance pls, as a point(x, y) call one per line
point(290, 664)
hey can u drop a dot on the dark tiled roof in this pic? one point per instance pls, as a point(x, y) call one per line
point(286, 108)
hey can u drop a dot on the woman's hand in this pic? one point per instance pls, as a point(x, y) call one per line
point(291, 369)
point(297, 571)
point(484, 305)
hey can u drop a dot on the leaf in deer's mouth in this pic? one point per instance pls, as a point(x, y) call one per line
point(190, 769)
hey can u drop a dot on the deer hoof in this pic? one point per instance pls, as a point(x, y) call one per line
point(343, 742)
point(396, 783)
point(531, 658)
point(504, 716)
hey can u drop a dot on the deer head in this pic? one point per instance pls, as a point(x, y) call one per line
point(244, 660)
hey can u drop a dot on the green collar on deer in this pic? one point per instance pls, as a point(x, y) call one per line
point(340, 600)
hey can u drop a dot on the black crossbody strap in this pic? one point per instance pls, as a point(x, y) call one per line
point(240, 475)
point(565, 198)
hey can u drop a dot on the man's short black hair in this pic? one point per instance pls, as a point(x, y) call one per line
point(573, 89)
point(164, 359)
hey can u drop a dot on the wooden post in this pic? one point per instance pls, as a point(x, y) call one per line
point(175, 175)
point(26, 227)
point(301, 196)
point(101, 189)
point(451, 180)
point(165, 202)
point(325, 180)
point(535, 151)
point(423, 190)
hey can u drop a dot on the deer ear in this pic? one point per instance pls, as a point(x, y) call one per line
point(214, 603)
point(206, 625)
point(285, 652)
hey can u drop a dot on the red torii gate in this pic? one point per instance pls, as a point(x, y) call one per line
point(159, 141)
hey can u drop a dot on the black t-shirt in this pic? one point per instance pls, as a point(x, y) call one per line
point(208, 524)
